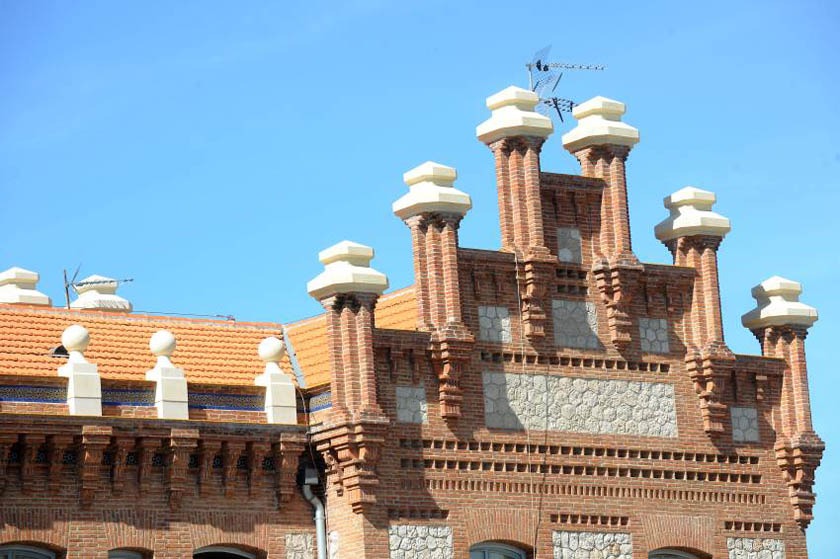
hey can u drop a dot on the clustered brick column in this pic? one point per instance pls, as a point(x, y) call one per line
point(433, 210)
point(515, 134)
point(352, 436)
point(780, 323)
point(601, 143)
point(693, 233)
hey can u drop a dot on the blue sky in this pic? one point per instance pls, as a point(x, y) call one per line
point(209, 150)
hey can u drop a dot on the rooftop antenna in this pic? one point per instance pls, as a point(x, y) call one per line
point(543, 78)
point(73, 284)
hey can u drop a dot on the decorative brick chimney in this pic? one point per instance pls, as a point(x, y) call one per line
point(515, 134)
point(433, 210)
point(17, 286)
point(780, 323)
point(693, 233)
point(352, 436)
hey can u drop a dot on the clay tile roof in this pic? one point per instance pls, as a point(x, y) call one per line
point(396, 310)
point(209, 351)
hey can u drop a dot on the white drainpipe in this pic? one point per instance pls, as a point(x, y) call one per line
point(310, 479)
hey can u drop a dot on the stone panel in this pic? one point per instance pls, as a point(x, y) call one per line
point(420, 542)
point(618, 407)
point(755, 548)
point(744, 424)
point(588, 545)
point(494, 324)
point(568, 245)
point(575, 324)
point(300, 546)
point(411, 404)
point(653, 333)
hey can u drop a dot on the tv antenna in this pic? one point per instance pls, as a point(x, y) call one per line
point(73, 284)
point(543, 78)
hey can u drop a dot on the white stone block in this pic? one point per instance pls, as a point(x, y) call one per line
point(513, 115)
point(599, 123)
point(99, 293)
point(17, 286)
point(347, 270)
point(171, 393)
point(777, 304)
point(691, 214)
point(431, 190)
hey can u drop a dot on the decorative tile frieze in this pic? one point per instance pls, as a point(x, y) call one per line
point(411, 404)
point(653, 335)
point(575, 324)
point(755, 548)
point(617, 407)
point(494, 324)
point(744, 424)
point(420, 542)
point(568, 245)
point(604, 545)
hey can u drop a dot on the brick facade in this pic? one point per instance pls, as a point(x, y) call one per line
point(578, 403)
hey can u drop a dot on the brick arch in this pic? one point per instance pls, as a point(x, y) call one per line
point(513, 527)
point(57, 549)
point(693, 534)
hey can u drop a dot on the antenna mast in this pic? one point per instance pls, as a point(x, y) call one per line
point(543, 79)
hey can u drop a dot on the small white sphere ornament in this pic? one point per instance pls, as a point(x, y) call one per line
point(272, 349)
point(162, 343)
point(75, 338)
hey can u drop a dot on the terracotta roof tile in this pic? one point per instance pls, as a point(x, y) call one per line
point(209, 351)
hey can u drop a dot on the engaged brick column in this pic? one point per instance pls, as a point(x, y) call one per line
point(780, 323)
point(515, 133)
point(433, 209)
point(693, 233)
point(601, 142)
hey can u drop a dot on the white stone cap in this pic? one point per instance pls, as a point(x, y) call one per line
point(431, 190)
point(347, 270)
point(18, 286)
point(75, 340)
point(513, 115)
point(99, 293)
point(599, 123)
point(691, 214)
point(778, 304)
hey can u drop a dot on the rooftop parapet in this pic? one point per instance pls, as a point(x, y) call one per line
point(431, 190)
point(99, 293)
point(691, 214)
point(17, 286)
point(778, 304)
point(599, 123)
point(513, 115)
point(347, 270)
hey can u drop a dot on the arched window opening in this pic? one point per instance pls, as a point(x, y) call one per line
point(496, 551)
point(671, 554)
point(222, 552)
point(24, 552)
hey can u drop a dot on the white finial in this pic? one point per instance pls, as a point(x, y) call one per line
point(778, 304)
point(75, 340)
point(513, 115)
point(431, 190)
point(272, 350)
point(162, 344)
point(691, 214)
point(347, 270)
point(99, 293)
point(18, 286)
point(599, 123)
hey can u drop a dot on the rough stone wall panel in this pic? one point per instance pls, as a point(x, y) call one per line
point(755, 548)
point(744, 424)
point(618, 407)
point(300, 546)
point(494, 324)
point(575, 324)
point(589, 545)
point(420, 542)
point(411, 404)
point(653, 335)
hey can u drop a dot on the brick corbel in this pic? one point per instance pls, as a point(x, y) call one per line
point(286, 459)
point(352, 452)
point(799, 457)
point(6, 442)
point(120, 447)
point(29, 461)
point(95, 439)
point(257, 453)
point(231, 451)
point(147, 447)
point(615, 282)
point(209, 449)
point(449, 357)
point(710, 370)
point(181, 443)
point(539, 274)
point(57, 445)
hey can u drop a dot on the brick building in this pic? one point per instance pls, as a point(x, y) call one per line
point(554, 398)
